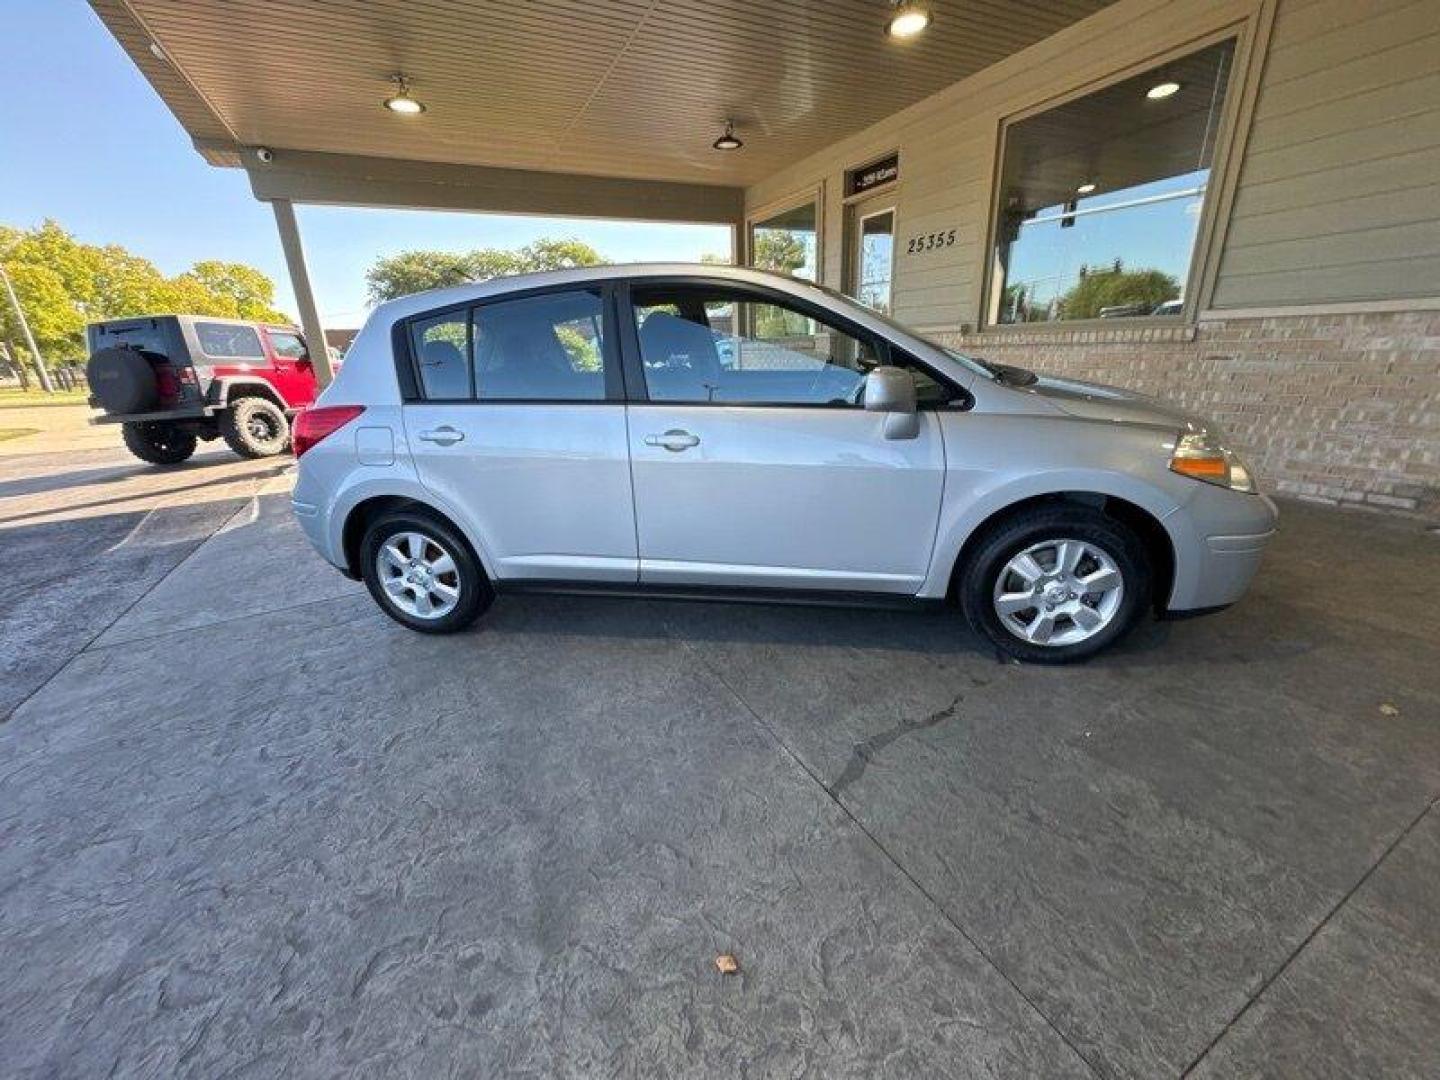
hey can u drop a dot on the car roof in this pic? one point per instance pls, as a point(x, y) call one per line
point(417, 303)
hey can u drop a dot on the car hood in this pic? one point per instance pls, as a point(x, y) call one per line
point(1095, 401)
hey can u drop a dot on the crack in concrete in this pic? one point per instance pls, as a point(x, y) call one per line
point(863, 753)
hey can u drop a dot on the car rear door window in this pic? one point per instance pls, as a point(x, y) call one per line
point(548, 347)
point(224, 340)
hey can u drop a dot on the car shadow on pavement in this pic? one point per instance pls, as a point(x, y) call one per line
point(74, 478)
point(939, 630)
point(228, 478)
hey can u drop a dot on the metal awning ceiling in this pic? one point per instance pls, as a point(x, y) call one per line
point(617, 88)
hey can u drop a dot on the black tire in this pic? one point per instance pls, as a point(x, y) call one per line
point(158, 441)
point(977, 584)
point(123, 380)
point(476, 594)
point(255, 427)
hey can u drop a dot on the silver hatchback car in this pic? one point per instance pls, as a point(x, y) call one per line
point(711, 430)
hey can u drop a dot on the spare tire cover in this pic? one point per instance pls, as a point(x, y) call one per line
point(122, 380)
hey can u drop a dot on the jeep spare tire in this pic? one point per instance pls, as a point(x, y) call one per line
point(122, 380)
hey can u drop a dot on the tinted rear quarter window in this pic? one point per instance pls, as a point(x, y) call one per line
point(440, 346)
point(223, 341)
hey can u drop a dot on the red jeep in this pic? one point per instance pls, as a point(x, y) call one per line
point(170, 380)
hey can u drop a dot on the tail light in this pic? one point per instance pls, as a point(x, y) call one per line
point(319, 422)
point(166, 383)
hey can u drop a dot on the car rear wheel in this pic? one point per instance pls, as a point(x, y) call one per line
point(1056, 584)
point(158, 442)
point(423, 574)
point(255, 427)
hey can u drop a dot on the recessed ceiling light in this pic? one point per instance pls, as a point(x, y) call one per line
point(1085, 189)
point(401, 102)
point(728, 141)
point(157, 52)
point(1162, 90)
point(907, 19)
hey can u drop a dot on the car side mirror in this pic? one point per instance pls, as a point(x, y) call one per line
point(891, 390)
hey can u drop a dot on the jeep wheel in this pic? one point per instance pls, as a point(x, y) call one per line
point(255, 427)
point(158, 442)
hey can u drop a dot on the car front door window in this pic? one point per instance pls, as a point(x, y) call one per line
point(718, 346)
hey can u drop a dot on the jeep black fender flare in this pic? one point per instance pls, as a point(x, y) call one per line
point(228, 387)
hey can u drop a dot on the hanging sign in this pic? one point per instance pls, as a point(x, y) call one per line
point(876, 174)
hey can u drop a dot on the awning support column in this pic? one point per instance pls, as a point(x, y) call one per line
point(304, 296)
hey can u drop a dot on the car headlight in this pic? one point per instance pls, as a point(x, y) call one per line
point(1200, 455)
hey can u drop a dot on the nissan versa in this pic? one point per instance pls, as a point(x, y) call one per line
point(714, 430)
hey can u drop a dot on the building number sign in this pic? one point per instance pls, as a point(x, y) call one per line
point(930, 241)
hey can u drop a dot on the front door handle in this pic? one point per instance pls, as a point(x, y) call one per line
point(673, 440)
point(444, 435)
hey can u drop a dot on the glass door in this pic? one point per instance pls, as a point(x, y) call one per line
point(872, 255)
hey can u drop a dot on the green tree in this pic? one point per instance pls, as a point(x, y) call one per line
point(781, 250)
point(248, 293)
point(417, 271)
point(1113, 288)
point(63, 284)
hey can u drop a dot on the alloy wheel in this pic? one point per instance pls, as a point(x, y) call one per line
point(418, 574)
point(1058, 592)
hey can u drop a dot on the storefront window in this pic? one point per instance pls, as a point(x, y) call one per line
point(786, 242)
point(1100, 198)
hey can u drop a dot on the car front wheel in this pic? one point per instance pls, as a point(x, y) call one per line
point(1056, 584)
point(423, 574)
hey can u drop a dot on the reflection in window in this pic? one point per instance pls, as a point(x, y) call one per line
point(540, 348)
point(786, 242)
point(439, 346)
point(287, 345)
point(718, 345)
point(876, 258)
point(228, 339)
point(1101, 197)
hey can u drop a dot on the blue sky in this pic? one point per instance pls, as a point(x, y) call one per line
point(84, 140)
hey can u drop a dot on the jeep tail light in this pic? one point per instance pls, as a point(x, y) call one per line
point(165, 382)
point(318, 422)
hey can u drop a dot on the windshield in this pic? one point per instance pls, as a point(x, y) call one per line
point(997, 372)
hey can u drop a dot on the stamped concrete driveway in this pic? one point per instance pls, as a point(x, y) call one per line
point(248, 826)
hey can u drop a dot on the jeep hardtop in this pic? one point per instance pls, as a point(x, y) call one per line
point(172, 380)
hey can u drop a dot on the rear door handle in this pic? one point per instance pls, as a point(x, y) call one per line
point(673, 440)
point(444, 435)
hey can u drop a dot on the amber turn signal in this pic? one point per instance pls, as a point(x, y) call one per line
point(1214, 469)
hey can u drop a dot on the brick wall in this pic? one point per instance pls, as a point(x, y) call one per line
point(1332, 408)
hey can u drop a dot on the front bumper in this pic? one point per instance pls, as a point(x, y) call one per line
point(1220, 537)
